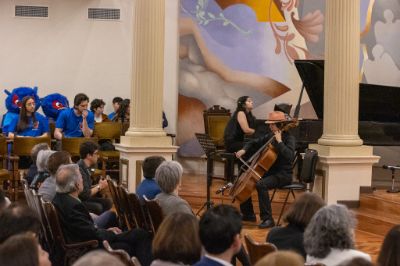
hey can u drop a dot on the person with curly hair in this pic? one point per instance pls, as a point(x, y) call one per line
point(329, 237)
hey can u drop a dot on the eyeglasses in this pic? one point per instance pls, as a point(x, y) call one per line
point(30, 104)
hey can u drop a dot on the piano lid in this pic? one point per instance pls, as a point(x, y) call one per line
point(377, 102)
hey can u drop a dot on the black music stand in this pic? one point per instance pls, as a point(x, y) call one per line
point(212, 155)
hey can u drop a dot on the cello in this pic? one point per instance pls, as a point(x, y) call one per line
point(260, 163)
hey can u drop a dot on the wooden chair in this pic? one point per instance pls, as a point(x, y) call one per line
point(22, 146)
point(215, 120)
point(72, 146)
point(307, 176)
point(117, 202)
point(135, 207)
point(5, 176)
point(67, 253)
point(108, 131)
point(154, 213)
point(257, 250)
point(124, 205)
point(122, 255)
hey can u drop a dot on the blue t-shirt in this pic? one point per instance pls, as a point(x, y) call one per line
point(111, 116)
point(149, 188)
point(71, 124)
point(36, 129)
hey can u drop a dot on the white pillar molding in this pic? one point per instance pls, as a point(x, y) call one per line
point(345, 164)
point(145, 136)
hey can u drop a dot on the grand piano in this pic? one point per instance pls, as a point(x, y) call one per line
point(379, 109)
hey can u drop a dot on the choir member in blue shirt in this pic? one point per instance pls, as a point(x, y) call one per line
point(115, 102)
point(77, 121)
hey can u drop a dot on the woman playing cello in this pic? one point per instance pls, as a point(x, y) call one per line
point(280, 173)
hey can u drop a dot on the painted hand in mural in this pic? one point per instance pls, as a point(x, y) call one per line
point(292, 36)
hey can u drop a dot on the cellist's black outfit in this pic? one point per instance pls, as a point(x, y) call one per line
point(280, 173)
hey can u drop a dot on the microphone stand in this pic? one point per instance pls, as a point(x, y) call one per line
point(210, 166)
point(393, 189)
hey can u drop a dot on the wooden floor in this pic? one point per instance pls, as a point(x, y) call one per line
point(378, 212)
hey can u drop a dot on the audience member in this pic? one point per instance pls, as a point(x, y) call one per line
point(98, 258)
point(89, 153)
point(115, 102)
point(148, 186)
point(298, 216)
point(78, 226)
point(97, 107)
point(358, 262)
point(23, 250)
point(183, 247)
point(328, 238)
point(168, 177)
point(390, 250)
point(4, 201)
point(43, 172)
point(219, 233)
point(29, 123)
point(77, 121)
point(48, 187)
point(18, 219)
point(32, 171)
point(123, 113)
point(281, 258)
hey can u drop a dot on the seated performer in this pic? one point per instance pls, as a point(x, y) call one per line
point(280, 173)
point(77, 121)
point(241, 123)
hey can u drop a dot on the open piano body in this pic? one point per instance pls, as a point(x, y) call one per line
point(379, 109)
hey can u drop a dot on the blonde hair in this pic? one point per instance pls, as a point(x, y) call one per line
point(281, 258)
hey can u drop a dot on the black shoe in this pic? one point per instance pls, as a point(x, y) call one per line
point(249, 218)
point(266, 224)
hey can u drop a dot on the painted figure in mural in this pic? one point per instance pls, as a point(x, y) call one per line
point(280, 173)
point(241, 124)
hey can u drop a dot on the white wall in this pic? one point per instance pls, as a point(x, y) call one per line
point(68, 53)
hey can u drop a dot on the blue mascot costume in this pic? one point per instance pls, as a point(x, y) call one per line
point(53, 104)
point(13, 103)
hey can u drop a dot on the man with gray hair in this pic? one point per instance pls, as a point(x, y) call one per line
point(78, 226)
point(98, 258)
point(168, 177)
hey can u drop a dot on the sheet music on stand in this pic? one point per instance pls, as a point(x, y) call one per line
point(206, 143)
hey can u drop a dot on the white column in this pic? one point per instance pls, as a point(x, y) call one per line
point(145, 136)
point(345, 164)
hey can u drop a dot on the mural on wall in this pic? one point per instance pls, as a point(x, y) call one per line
point(230, 48)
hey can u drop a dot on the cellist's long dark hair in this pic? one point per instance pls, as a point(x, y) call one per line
point(23, 121)
point(241, 106)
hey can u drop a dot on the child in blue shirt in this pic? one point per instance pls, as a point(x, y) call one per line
point(148, 187)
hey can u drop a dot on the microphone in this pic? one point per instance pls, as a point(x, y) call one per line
point(391, 167)
point(222, 189)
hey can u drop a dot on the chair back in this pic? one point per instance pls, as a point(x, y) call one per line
point(121, 254)
point(46, 235)
point(55, 226)
point(136, 209)
point(52, 127)
point(22, 146)
point(215, 120)
point(257, 250)
point(107, 130)
point(72, 145)
point(307, 174)
point(3, 146)
point(154, 213)
point(124, 205)
point(117, 201)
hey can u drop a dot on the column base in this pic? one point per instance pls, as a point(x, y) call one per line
point(134, 150)
point(341, 140)
point(343, 170)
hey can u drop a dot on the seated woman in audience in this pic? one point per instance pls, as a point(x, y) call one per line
point(168, 177)
point(183, 246)
point(23, 250)
point(43, 172)
point(281, 258)
point(98, 258)
point(329, 237)
point(298, 216)
point(123, 113)
point(390, 250)
point(29, 123)
point(97, 108)
point(32, 171)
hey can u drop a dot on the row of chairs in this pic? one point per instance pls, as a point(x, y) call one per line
point(134, 213)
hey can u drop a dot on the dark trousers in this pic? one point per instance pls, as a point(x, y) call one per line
point(97, 205)
point(266, 183)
